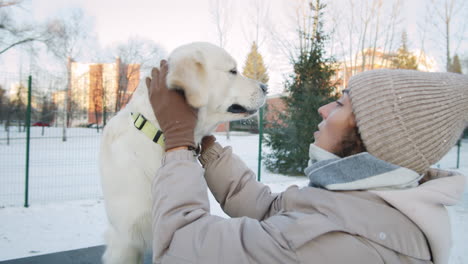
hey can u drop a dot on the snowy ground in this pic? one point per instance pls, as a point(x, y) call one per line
point(63, 225)
point(58, 170)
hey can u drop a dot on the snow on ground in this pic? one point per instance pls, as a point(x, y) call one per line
point(58, 170)
point(65, 225)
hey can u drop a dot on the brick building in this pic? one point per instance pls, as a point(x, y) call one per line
point(274, 105)
point(97, 90)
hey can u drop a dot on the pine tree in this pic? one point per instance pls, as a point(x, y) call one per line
point(404, 59)
point(254, 67)
point(455, 65)
point(309, 87)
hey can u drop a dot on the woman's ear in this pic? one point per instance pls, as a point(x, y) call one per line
point(189, 74)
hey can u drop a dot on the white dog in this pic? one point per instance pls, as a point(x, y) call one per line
point(129, 159)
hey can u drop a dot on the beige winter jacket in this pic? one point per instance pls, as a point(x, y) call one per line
point(300, 225)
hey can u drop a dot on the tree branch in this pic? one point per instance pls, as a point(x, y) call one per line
point(5, 4)
point(16, 43)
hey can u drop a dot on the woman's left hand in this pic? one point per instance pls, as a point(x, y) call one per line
point(176, 118)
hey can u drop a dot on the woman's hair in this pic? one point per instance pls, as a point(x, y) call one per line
point(352, 144)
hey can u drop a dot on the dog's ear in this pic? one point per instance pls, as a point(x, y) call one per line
point(189, 74)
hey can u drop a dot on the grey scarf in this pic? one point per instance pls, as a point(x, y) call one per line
point(360, 172)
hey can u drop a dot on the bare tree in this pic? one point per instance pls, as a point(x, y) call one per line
point(66, 38)
point(13, 34)
point(253, 26)
point(305, 24)
point(98, 93)
point(221, 12)
point(449, 12)
point(3, 104)
point(135, 58)
point(423, 27)
point(377, 8)
point(365, 33)
point(67, 35)
point(289, 37)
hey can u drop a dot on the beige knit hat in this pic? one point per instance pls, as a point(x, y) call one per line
point(409, 118)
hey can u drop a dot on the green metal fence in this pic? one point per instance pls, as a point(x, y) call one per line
point(41, 158)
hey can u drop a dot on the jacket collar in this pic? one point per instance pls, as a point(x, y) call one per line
point(424, 205)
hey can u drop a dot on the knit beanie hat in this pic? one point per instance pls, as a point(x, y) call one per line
point(409, 118)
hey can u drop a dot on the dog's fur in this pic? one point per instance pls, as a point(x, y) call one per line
point(129, 160)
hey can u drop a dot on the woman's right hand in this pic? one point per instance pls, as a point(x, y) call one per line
point(207, 142)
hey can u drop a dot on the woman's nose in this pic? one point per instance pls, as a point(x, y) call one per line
point(324, 110)
point(321, 111)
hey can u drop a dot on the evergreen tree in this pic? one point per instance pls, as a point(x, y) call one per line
point(309, 87)
point(254, 67)
point(404, 59)
point(455, 65)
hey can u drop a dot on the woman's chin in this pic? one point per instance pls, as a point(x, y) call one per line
point(316, 135)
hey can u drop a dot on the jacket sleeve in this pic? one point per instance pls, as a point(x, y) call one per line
point(185, 232)
point(235, 187)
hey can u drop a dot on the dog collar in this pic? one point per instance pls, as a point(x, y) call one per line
point(145, 126)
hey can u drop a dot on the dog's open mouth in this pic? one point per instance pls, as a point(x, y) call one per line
point(239, 109)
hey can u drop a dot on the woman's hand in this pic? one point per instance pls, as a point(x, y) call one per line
point(207, 142)
point(176, 118)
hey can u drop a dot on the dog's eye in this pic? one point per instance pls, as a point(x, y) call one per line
point(233, 71)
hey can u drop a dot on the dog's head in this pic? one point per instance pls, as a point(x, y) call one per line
point(210, 79)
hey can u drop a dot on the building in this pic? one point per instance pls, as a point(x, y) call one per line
point(18, 92)
point(97, 90)
point(372, 59)
point(273, 103)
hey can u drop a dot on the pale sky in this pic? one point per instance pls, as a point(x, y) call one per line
point(172, 23)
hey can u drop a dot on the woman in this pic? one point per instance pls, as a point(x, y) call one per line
point(385, 205)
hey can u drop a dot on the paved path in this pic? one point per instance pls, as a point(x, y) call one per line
point(91, 255)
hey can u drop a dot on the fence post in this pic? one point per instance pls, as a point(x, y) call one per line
point(28, 136)
point(260, 137)
point(458, 153)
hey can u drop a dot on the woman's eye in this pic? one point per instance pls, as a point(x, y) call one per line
point(233, 71)
point(339, 103)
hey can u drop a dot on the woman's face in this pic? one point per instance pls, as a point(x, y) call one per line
point(338, 122)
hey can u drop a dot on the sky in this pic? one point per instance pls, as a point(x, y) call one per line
point(169, 23)
point(164, 21)
point(172, 23)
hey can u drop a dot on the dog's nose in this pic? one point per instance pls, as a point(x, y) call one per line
point(264, 88)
